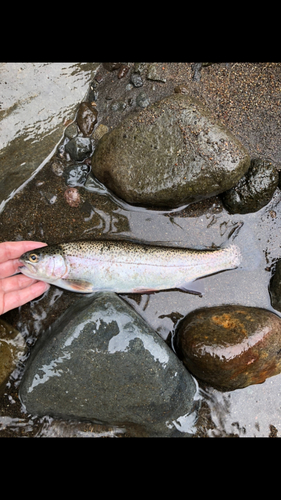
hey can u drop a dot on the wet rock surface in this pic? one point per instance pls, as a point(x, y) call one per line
point(37, 100)
point(142, 100)
point(72, 197)
point(86, 118)
point(136, 80)
point(275, 286)
point(156, 72)
point(230, 347)
point(76, 175)
point(254, 190)
point(170, 154)
point(79, 148)
point(103, 363)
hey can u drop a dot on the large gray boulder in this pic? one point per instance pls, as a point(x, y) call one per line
point(169, 154)
point(103, 363)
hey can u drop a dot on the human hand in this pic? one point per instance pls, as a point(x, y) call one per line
point(19, 289)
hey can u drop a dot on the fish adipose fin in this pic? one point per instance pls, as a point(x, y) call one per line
point(77, 285)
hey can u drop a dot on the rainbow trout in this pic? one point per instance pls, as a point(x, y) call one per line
point(124, 267)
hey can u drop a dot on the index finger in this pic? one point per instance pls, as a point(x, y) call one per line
point(14, 249)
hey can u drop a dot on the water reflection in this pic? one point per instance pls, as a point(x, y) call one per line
point(38, 311)
point(50, 427)
point(107, 222)
point(95, 186)
point(250, 412)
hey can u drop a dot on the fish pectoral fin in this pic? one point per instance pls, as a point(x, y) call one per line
point(196, 287)
point(79, 285)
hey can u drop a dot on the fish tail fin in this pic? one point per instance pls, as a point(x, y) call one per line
point(250, 255)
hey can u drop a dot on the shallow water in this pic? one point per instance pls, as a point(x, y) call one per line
point(258, 239)
point(242, 412)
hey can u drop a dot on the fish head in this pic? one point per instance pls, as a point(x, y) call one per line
point(43, 264)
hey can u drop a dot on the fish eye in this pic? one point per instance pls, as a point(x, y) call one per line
point(33, 257)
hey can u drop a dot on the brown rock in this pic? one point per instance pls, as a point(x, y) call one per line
point(123, 70)
point(230, 347)
point(86, 118)
point(168, 154)
point(12, 346)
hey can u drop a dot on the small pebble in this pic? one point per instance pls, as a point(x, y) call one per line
point(155, 73)
point(76, 175)
point(123, 70)
point(57, 168)
point(139, 67)
point(51, 198)
point(118, 106)
point(86, 118)
point(136, 80)
point(79, 148)
point(71, 131)
point(142, 100)
point(72, 197)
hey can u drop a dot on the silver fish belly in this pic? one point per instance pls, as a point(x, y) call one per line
point(125, 267)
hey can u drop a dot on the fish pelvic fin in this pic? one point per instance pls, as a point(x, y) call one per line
point(81, 286)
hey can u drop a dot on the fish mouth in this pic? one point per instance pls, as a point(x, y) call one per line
point(27, 269)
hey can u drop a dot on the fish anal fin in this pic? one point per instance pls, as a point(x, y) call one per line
point(195, 287)
point(81, 286)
